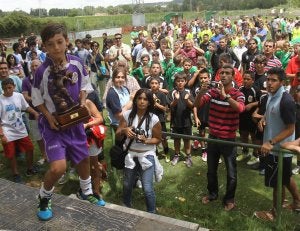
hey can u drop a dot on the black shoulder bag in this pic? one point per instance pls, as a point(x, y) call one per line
point(117, 153)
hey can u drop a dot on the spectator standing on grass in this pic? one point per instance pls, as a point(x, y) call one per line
point(279, 126)
point(247, 127)
point(13, 133)
point(249, 55)
point(70, 143)
point(268, 51)
point(118, 97)
point(226, 103)
point(180, 101)
point(34, 130)
point(119, 51)
point(141, 159)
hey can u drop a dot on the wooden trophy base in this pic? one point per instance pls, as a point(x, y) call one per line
point(72, 117)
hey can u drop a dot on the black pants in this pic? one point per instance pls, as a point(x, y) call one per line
point(214, 151)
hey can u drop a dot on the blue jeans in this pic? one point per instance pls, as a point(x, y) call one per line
point(214, 151)
point(147, 183)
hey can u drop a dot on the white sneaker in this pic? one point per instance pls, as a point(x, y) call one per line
point(204, 156)
point(63, 179)
point(296, 170)
point(41, 161)
point(138, 184)
point(253, 160)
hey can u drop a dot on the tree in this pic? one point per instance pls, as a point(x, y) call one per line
point(39, 12)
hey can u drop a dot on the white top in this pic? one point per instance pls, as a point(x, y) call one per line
point(11, 116)
point(140, 146)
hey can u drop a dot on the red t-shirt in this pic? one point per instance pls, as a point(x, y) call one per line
point(292, 68)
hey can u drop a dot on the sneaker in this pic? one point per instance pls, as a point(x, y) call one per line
point(296, 170)
point(41, 161)
point(17, 179)
point(72, 174)
point(195, 145)
point(33, 171)
point(241, 157)
point(254, 160)
point(262, 172)
point(188, 162)
point(138, 184)
point(94, 199)
point(63, 179)
point(175, 160)
point(167, 159)
point(204, 156)
point(44, 209)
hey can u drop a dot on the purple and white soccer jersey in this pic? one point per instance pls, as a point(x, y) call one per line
point(72, 142)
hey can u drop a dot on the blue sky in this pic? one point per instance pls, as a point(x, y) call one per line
point(26, 5)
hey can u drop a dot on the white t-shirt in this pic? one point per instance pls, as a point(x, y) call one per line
point(140, 146)
point(11, 116)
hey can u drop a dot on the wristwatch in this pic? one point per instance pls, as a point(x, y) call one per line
point(272, 142)
point(227, 97)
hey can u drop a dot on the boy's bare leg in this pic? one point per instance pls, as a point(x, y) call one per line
point(83, 168)
point(29, 159)
point(13, 165)
point(56, 170)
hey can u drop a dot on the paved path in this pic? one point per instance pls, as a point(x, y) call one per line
point(18, 205)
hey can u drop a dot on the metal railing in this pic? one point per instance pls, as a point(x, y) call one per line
point(280, 165)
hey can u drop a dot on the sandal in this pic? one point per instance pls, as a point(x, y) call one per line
point(265, 215)
point(207, 199)
point(229, 206)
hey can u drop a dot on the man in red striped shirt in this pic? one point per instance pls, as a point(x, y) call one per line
point(226, 103)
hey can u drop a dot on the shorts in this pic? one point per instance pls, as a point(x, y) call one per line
point(94, 150)
point(183, 131)
point(247, 125)
point(23, 144)
point(272, 170)
point(34, 130)
point(70, 144)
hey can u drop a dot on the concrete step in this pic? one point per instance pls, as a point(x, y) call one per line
point(18, 206)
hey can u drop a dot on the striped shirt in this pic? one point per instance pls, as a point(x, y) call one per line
point(272, 62)
point(223, 119)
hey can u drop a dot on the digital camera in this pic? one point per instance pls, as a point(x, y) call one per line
point(138, 132)
point(214, 84)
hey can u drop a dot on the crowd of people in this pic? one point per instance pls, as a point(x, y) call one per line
point(227, 77)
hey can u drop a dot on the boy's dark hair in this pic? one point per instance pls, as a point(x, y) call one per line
point(7, 81)
point(180, 75)
point(247, 72)
point(154, 78)
point(177, 60)
point(50, 30)
point(78, 41)
point(277, 71)
point(260, 59)
point(187, 60)
point(155, 62)
point(225, 57)
point(31, 41)
point(229, 66)
point(15, 46)
point(204, 70)
point(85, 41)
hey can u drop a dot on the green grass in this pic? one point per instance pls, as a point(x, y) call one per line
point(179, 194)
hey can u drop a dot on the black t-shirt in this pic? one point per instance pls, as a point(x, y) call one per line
point(162, 101)
point(260, 81)
point(251, 95)
point(181, 113)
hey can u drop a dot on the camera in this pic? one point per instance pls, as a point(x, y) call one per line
point(138, 132)
point(214, 84)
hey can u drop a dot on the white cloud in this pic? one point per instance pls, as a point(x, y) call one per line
point(26, 5)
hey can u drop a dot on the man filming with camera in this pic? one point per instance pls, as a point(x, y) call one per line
point(226, 103)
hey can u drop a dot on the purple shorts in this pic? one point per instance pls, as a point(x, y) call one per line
point(70, 144)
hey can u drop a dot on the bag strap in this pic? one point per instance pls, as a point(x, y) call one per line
point(131, 140)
